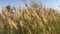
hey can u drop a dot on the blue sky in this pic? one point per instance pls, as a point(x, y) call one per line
point(47, 3)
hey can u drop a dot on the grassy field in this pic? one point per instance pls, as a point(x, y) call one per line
point(31, 20)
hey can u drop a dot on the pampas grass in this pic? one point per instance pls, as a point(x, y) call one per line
point(31, 20)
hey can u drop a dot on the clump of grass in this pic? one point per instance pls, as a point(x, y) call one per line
point(31, 20)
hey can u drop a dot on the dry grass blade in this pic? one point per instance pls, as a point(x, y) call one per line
point(12, 24)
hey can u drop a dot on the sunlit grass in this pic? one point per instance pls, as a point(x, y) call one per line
point(31, 20)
